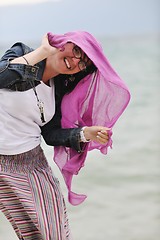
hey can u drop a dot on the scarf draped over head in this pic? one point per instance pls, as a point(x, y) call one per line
point(98, 100)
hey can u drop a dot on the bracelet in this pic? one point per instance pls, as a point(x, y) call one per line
point(25, 60)
point(82, 137)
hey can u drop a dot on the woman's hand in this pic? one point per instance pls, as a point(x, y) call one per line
point(50, 50)
point(97, 133)
point(42, 52)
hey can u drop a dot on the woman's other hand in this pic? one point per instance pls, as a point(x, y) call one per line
point(97, 133)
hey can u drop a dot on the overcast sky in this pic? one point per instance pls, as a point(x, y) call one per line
point(30, 19)
point(22, 2)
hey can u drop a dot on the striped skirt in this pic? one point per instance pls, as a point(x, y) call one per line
point(30, 197)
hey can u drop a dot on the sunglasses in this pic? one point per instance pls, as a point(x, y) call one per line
point(77, 52)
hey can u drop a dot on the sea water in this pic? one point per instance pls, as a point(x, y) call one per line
point(123, 187)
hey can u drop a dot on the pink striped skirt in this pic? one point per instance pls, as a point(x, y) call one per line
point(30, 197)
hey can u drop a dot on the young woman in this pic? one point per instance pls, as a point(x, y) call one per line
point(56, 91)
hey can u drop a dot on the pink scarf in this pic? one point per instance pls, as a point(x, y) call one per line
point(97, 100)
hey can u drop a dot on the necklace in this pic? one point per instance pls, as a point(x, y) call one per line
point(40, 104)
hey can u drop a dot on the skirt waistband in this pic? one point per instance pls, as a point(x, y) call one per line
point(24, 162)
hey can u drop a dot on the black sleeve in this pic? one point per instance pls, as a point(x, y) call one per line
point(52, 132)
point(69, 137)
point(17, 76)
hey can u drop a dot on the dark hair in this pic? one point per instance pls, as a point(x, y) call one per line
point(69, 82)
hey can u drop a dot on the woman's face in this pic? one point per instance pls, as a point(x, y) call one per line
point(71, 59)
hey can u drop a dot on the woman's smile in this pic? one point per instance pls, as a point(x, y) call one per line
point(67, 63)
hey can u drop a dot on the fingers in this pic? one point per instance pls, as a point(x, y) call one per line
point(55, 40)
point(104, 129)
point(99, 134)
point(102, 136)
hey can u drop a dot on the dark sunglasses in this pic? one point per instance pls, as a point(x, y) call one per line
point(77, 52)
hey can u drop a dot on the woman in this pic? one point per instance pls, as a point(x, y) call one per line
point(50, 91)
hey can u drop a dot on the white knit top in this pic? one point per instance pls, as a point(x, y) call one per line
point(20, 118)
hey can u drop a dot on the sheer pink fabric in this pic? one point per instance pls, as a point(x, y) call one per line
point(98, 99)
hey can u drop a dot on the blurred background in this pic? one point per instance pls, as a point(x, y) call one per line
point(123, 187)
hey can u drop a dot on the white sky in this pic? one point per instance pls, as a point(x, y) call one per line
point(13, 2)
point(109, 17)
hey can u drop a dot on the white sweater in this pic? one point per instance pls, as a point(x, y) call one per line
point(20, 118)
